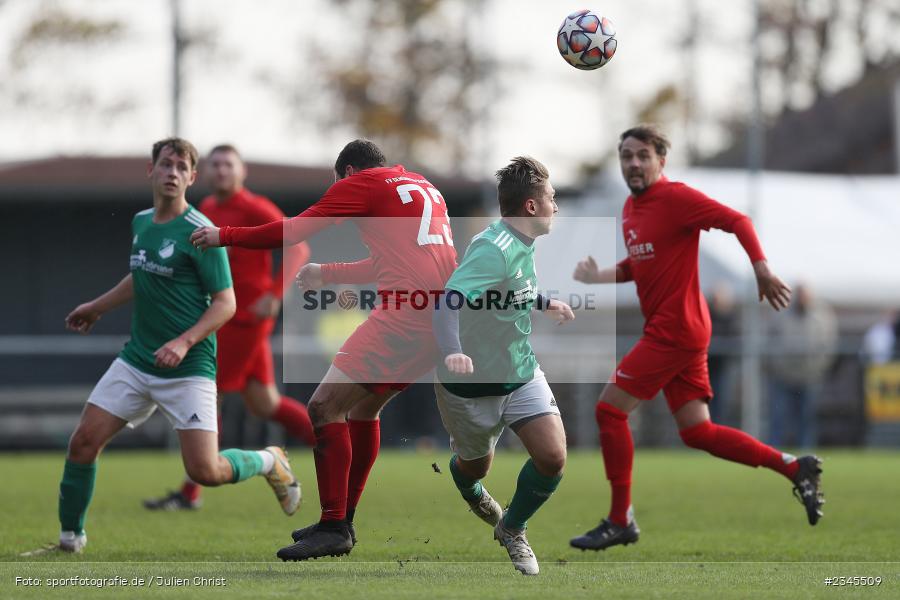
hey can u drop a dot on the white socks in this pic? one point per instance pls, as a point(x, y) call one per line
point(268, 461)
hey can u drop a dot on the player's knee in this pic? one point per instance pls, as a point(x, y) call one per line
point(606, 413)
point(551, 464)
point(322, 411)
point(317, 412)
point(84, 447)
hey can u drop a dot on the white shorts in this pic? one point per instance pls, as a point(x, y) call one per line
point(132, 395)
point(475, 424)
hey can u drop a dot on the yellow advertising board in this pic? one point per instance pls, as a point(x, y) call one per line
point(883, 393)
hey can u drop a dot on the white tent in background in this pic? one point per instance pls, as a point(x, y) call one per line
point(839, 234)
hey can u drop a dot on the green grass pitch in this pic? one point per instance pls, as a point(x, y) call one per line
point(710, 529)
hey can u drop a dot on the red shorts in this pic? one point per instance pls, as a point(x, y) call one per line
point(682, 375)
point(381, 359)
point(244, 353)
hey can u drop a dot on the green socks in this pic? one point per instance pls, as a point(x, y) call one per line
point(75, 491)
point(244, 463)
point(469, 488)
point(532, 490)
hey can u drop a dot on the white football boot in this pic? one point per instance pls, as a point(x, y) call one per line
point(486, 508)
point(519, 549)
point(282, 481)
point(69, 542)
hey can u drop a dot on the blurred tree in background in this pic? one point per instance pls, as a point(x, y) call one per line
point(411, 79)
point(67, 63)
point(810, 46)
point(35, 76)
point(809, 49)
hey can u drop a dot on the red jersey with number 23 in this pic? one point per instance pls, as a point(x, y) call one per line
point(402, 219)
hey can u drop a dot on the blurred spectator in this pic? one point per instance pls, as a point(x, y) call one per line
point(725, 327)
point(804, 341)
point(880, 344)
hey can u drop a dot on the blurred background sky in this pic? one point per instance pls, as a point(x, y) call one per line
point(452, 85)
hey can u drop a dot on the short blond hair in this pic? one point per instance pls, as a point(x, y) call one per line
point(521, 179)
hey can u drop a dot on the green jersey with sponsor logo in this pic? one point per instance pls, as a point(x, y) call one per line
point(173, 282)
point(497, 277)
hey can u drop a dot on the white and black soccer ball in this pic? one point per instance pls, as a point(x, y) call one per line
point(586, 40)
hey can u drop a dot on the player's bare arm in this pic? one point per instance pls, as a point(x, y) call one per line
point(559, 311)
point(459, 364)
point(205, 237)
point(83, 318)
point(220, 310)
point(587, 271)
point(770, 287)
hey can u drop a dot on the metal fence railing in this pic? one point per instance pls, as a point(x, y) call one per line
point(47, 380)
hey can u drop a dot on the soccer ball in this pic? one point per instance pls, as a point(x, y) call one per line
point(586, 41)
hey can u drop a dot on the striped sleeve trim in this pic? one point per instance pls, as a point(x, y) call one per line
point(146, 211)
point(195, 218)
point(503, 240)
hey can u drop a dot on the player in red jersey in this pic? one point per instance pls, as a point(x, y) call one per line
point(244, 355)
point(661, 222)
point(411, 252)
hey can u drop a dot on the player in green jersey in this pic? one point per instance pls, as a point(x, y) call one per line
point(181, 296)
point(490, 378)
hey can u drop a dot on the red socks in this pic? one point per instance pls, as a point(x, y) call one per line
point(618, 456)
point(365, 437)
point(292, 415)
point(737, 446)
point(333, 454)
point(344, 455)
point(190, 490)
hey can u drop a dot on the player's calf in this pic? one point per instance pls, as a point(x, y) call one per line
point(466, 476)
point(208, 475)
